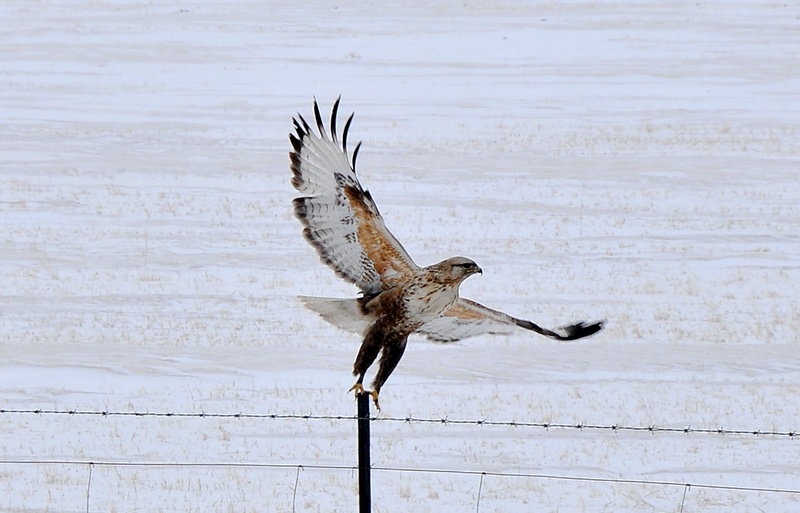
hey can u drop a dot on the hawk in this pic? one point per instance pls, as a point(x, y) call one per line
point(398, 297)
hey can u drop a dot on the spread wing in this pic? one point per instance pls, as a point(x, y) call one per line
point(340, 218)
point(466, 318)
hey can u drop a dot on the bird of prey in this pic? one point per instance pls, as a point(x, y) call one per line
point(398, 297)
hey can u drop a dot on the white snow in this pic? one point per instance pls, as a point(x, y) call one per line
point(635, 162)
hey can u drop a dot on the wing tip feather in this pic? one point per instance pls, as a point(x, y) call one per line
point(318, 118)
point(302, 131)
point(334, 114)
point(582, 329)
point(297, 142)
point(355, 155)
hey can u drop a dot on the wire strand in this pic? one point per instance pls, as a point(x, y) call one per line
point(413, 470)
point(581, 426)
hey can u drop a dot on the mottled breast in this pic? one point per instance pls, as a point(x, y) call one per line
point(426, 300)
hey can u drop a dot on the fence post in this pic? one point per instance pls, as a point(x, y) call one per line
point(364, 494)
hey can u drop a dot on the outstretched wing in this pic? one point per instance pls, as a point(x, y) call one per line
point(466, 318)
point(341, 221)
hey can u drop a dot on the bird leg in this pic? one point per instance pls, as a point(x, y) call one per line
point(390, 357)
point(391, 346)
point(359, 389)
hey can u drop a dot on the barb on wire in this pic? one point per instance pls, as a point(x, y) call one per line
point(580, 426)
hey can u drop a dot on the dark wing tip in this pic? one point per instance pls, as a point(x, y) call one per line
point(303, 129)
point(355, 156)
point(296, 141)
point(581, 330)
point(346, 129)
point(318, 118)
point(299, 207)
point(569, 332)
point(334, 114)
point(301, 126)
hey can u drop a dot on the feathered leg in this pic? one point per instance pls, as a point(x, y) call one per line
point(370, 347)
point(393, 349)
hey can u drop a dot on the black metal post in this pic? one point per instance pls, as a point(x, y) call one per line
point(364, 499)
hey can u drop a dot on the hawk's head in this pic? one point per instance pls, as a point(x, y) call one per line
point(455, 269)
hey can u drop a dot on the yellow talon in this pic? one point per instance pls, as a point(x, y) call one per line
point(359, 389)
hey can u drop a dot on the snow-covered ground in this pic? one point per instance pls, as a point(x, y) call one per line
point(635, 162)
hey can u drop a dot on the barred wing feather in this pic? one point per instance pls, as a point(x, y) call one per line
point(467, 318)
point(340, 218)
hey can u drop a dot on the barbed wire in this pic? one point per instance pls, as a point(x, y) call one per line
point(612, 427)
point(582, 426)
point(109, 413)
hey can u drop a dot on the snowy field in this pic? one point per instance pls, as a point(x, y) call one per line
point(635, 162)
